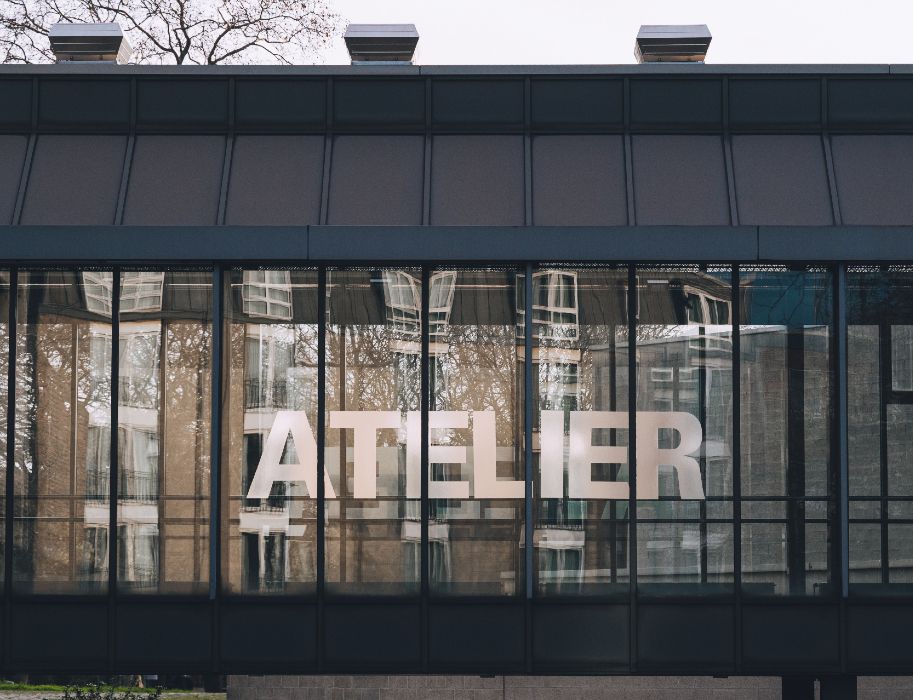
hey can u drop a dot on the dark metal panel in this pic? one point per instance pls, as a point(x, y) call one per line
point(175, 181)
point(781, 180)
point(849, 244)
point(387, 102)
point(679, 102)
point(777, 638)
point(15, 104)
point(476, 636)
point(593, 102)
point(275, 180)
point(142, 244)
point(384, 635)
point(12, 154)
point(679, 180)
point(772, 102)
point(679, 636)
point(477, 180)
point(874, 178)
point(74, 180)
point(64, 636)
point(88, 104)
point(878, 637)
point(579, 181)
point(461, 103)
point(579, 636)
point(185, 103)
point(450, 244)
point(377, 180)
point(870, 102)
point(259, 636)
point(171, 634)
point(280, 104)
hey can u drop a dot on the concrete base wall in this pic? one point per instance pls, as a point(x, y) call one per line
point(534, 688)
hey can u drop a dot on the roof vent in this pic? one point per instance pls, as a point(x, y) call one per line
point(381, 43)
point(102, 42)
point(672, 42)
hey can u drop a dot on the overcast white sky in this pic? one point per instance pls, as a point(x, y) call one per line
point(602, 32)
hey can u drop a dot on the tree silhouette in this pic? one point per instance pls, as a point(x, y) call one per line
point(199, 32)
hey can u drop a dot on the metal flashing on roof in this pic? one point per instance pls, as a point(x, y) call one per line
point(381, 43)
point(102, 41)
point(678, 43)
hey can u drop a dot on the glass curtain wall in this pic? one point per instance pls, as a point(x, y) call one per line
point(476, 463)
point(61, 503)
point(880, 428)
point(684, 386)
point(269, 467)
point(163, 425)
point(786, 430)
point(373, 397)
point(683, 351)
point(580, 430)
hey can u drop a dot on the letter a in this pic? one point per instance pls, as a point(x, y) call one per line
point(270, 469)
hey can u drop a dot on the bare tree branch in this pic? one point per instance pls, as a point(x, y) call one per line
point(179, 31)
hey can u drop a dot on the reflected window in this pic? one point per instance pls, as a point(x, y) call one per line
point(164, 365)
point(373, 384)
point(63, 431)
point(270, 420)
point(267, 293)
point(580, 431)
point(684, 430)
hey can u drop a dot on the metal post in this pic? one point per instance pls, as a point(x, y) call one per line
point(528, 400)
point(215, 457)
point(113, 467)
point(321, 459)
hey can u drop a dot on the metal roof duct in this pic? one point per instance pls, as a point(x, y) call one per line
point(381, 43)
point(672, 42)
point(101, 42)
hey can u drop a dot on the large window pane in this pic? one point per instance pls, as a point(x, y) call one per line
point(372, 449)
point(270, 417)
point(63, 431)
point(786, 429)
point(684, 429)
point(880, 428)
point(476, 430)
point(163, 417)
point(580, 431)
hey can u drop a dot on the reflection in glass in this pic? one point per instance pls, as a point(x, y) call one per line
point(786, 424)
point(270, 418)
point(373, 386)
point(476, 432)
point(684, 428)
point(4, 400)
point(63, 424)
point(164, 365)
point(880, 417)
point(580, 356)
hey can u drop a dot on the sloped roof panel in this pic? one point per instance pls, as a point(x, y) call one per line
point(275, 180)
point(74, 180)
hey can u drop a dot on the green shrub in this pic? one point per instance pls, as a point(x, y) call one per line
point(101, 691)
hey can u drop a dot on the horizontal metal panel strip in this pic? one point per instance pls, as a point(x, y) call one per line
point(535, 243)
point(836, 243)
point(374, 244)
point(148, 243)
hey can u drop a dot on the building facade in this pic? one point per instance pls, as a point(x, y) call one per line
point(597, 370)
